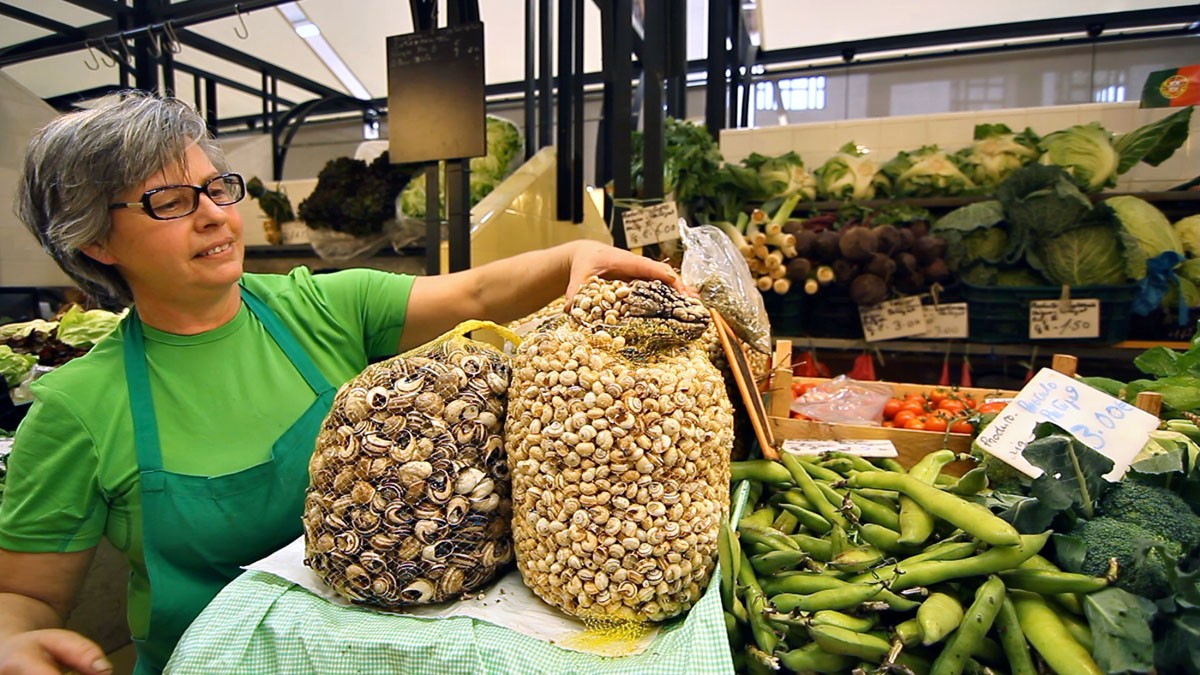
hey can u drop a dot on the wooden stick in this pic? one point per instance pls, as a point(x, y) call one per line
point(746, 387)
point(781, 379)
point(1150, 401)
point(1065, 364)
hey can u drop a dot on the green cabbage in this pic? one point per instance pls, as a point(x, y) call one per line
point(997, 152)
point(1084, 256)
point(1188, 231)
point(1146, 231)
point(13, 366)
point(850, 174)
point(927, 172)
point(1086, 152)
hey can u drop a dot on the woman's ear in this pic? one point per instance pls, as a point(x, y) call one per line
point(99, 253)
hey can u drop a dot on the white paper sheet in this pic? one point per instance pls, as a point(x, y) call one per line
point(506, 602)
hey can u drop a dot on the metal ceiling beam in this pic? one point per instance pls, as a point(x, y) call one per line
point(1093, 24)
point(199, 11)
point(232, 84)
point(224, 51)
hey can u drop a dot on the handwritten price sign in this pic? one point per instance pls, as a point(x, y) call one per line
point(945, 321)
point(1105, 424)
point(651, 224)
point(893, 319)
point(1055, 319)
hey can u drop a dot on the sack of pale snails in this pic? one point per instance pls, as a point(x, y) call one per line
point(618, 437)
point(408, 501)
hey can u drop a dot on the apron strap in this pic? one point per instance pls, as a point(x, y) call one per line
point(287, 342)
point(141, 404)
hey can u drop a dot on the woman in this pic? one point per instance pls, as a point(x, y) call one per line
point(184, 437)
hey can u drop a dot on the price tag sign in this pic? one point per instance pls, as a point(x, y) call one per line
point(893, 319)
point(945, 321)
point(650, 225)
point(862, 448)
point(1105, 424)
point(1055, 319)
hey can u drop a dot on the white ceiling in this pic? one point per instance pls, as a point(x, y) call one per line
point(358, 29)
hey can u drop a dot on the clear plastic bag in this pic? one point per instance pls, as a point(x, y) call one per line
point(713, 266)
point(845, 401)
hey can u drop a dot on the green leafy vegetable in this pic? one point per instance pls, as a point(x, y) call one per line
point(1154, 142)
point(13, 366)
point(1073, 473)
point(1081, 257)
point(927, 172)
point(354, 197)
point(850, 174)
point(1086, 152)
point(1188, 231)
point(1146, 231)
point(996, 153)
point(1120, 623)
point(80, 328)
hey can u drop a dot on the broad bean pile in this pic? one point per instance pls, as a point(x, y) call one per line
point(840, 564)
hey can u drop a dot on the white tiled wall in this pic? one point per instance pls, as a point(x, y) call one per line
point(22, 261)
point(815, 142)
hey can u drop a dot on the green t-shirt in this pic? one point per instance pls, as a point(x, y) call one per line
point(222, 399)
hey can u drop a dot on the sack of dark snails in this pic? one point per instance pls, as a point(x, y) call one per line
point(618, 437)
point(408, 501)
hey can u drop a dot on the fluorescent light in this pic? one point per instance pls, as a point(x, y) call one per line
point(311, 33)
point(307, 29)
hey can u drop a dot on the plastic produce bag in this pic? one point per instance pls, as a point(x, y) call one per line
point(714, 266)
point(843, 400)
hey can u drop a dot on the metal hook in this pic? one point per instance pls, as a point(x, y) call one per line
point(95, 64)
point(173, 44)
point(108, 59)
point(244, 32)
point(155, 47)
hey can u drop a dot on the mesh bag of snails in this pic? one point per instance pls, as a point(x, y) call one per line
point(408, 500)
point(618, 437)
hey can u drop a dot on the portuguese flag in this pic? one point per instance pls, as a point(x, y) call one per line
point(1172, 88)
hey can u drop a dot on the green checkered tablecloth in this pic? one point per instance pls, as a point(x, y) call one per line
point(263, 624)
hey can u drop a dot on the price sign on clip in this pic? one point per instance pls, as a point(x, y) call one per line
point(1057, 319)
point(651, 225)
point(1105, 424)
point(945, 321)
point(893, 319)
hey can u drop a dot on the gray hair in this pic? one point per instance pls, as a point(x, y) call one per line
point(77, 164)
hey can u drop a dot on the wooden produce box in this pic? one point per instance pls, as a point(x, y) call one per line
point(911, 444)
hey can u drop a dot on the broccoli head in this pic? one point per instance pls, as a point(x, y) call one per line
point(1142, 570)
point(1157, 510)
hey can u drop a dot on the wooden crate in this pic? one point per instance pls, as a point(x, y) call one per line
point(911, 445)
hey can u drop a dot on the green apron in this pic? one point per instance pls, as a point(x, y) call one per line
point(198, 531)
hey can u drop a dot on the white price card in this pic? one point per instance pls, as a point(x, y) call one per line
point(945, 321)
point(1057, 319)
point(862, 448)
point(893, 319)
point(1105, 424)
point(650, 225)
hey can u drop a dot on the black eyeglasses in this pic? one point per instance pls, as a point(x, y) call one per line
point(176, 201)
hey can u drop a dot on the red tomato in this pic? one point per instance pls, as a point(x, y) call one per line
point(935, 422)
point(915, 425)
point(904, 417)
point(952, 405)
point(914, 405)
point(969, 401)
point(938, 395)
point(993, 407)
point(915, 396)
point(962, 427)
point(891, 408)
point(798, 389)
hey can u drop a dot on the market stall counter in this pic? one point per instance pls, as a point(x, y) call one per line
point(264, 623)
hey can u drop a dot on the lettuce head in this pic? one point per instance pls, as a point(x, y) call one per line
point(13, 366)
point(1188, 230)
point(1085, 256)
point(928, 172)
point(1145, 230)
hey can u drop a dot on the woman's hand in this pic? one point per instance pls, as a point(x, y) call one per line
point(591, 259)
point(49, 651)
